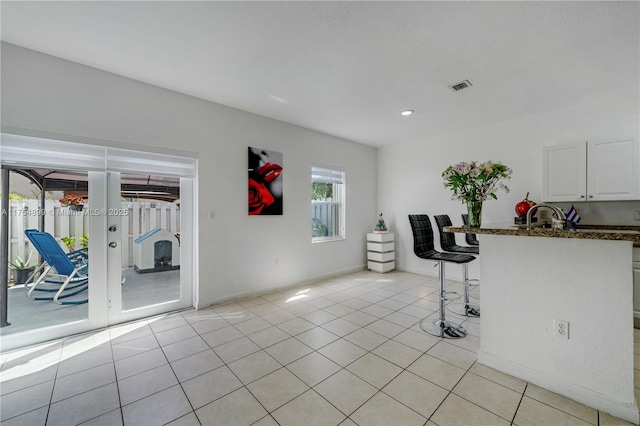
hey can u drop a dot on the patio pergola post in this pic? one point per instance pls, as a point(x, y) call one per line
point(42, 205)
point(4, 248)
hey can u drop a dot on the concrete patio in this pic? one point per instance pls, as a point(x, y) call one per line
point(138, 290)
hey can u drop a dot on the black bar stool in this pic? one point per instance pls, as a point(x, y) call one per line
point(448, 244)
point(470, 238)
point(472, 241)
point(424, 248)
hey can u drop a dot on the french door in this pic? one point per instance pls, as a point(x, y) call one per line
point(137, 225)
point(145, 248)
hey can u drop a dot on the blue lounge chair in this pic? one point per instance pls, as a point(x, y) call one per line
point(66, 274)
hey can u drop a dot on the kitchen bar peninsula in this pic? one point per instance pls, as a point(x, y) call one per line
point(534, 279)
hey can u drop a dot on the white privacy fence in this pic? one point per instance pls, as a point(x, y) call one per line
point(325, 219)
point(137, 217)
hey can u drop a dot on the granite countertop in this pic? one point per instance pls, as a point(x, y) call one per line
point(588, 232)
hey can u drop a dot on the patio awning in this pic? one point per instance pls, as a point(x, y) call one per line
point(140, 186)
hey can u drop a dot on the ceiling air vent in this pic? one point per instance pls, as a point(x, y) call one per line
point(459, 86)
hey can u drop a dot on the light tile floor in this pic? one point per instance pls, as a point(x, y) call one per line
point(345, 351)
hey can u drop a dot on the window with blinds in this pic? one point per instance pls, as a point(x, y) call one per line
point(327, 204)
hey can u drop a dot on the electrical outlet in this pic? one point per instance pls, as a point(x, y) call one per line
point(637, 215)
point(544, 215)
point(561, 329)
point(276, 261)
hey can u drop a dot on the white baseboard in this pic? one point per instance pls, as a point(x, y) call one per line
point(284, 286)
point(621, 409)
point(429, 272)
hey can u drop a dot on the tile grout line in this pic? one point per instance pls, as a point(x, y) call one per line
point(115, 374)
point(513, 419)
point(174, 374)
point(55, 379)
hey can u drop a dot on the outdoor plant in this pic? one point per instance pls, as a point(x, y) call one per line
point(14, 196)
point(72, 200)
point(70, 242)
point(19, 263)
point(321, 190)
point(84, 241)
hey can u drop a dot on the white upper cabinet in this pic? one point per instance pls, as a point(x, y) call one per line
point(591, 171)
point(612, 171)
point(565, 173)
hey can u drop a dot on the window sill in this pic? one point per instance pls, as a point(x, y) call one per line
point(327, 239)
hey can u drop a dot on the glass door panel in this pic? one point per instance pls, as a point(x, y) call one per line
point(145, 252)
point(40, 305)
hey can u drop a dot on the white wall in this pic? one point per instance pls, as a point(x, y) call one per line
point(587, 283)
point(409, 178)
point(237, 252)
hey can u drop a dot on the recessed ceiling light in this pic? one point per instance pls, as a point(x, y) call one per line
point(407, 112)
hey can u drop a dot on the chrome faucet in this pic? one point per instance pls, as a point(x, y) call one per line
point(557, 210)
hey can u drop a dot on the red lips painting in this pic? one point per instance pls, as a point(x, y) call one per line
point(265, 182)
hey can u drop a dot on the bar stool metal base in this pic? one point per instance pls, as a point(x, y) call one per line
point(441, 327)
point(446, 329)
point(465, 309)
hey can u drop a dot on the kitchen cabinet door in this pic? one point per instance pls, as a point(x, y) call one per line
point(612, 171)
point(591, 171)
point(565, 172)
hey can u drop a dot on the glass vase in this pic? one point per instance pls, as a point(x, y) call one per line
point(474, 209)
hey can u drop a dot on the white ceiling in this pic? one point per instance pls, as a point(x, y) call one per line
point(349, 68)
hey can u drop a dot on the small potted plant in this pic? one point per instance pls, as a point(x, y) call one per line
point(74, 201)
point(380, 228)
point(21, 269)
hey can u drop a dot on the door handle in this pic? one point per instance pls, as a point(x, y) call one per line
point(113, 245)
point(112, 228)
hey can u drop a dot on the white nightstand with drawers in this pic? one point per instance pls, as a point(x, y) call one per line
point(381, 252)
